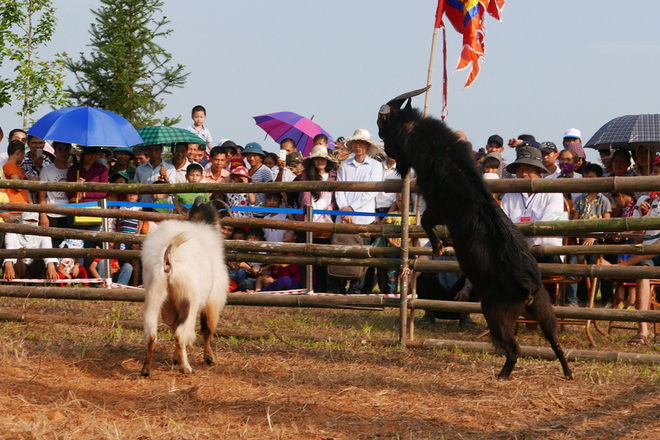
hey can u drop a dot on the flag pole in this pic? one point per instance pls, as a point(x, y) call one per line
point(430, 71)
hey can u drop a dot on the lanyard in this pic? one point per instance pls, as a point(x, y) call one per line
point(529, 202)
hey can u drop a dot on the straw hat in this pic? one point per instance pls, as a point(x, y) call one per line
point(319, 151)
point(363, 135)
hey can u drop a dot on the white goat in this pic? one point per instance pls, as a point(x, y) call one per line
point(185, 272)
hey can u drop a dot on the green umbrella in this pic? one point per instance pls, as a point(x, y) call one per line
point(162, 134)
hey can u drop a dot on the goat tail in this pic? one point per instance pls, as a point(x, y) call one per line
point(177, 241)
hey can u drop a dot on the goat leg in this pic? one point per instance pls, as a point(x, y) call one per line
point(208, 320)
point(146, 368)
point(429, 221)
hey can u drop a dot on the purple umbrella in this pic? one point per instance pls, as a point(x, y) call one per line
point(282, 125)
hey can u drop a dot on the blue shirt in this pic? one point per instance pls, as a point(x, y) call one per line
point(147, 174)
point(370, 170)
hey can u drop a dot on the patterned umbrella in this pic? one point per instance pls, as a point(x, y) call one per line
point(290, 125)
point(162, 134)
point(86, 126)
point(627, 132)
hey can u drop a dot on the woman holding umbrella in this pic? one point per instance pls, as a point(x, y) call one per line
point(88, 170)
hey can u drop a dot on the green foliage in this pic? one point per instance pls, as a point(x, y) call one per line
point(25, 26)
point(127, 72)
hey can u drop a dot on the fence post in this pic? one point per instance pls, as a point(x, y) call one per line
point(107, 270)
point(309, 236)
point(403, 273)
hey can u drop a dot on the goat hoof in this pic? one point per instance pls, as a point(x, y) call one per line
point(145, 373)
point(569, 375)
point(439, 252)
point(209, 361)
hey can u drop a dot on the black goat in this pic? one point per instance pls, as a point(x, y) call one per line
point(491, 251)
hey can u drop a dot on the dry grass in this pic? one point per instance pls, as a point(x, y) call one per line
point(65, 381)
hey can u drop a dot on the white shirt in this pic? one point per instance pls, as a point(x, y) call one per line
point(651, 237)
point(50, 173)
point(370, 170)
point(383, 199)
point(43, 242)
point(536, 206)
point(181, 172)
point(274, 235)
point(204, 133)
point(147, 174)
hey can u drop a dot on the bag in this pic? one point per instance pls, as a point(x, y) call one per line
point(83, 220)
point(348, 272)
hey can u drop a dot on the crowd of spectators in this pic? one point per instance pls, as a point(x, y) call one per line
point(356, 158)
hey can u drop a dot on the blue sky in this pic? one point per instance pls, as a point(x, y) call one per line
point(549, 66)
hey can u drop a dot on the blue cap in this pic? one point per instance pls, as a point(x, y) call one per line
point(253, 148)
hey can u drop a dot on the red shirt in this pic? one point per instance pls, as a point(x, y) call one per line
point(96, 173)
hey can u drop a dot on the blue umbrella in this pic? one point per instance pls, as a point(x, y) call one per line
point(86, 126)
point(627, 132)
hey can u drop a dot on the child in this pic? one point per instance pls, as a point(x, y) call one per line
point(69, 268)
point(238, 234)
point(245, 274)
point(193, 175)
point(119, 275)
point(131, 226)
point(393, 274)
point(276, 277)
point(274, 200)
point(199, 117)
point(241, 175)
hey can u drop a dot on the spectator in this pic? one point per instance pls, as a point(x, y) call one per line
point(259, 173)
point(572, 141)
point(230, 146)
point(245, 275)
point(644, 157)
point(606, 160)
point(360, 168)
point(193, 175)
point(197, 127)
point(280, 277)
point(88, 170)
point(341, 152)
point(155, 170)
point(243, 200)
point(121, 276)
point(179, 161)
point(123, 156)
point(217, 171)
point(191, 153)
point(587, 206)
point(17, 134)
point(131, 226)
point(284, 173)
point(384, 201)
point(201, 155)
point(533, 207)
point(13, 171)
point(319, 166)
point(294, 164)
point(69, 268)
point(549, 152)
point(33, 161)
point(274, 200)
point(271, 162)
point(55, 172)
point(140, 155)
point(568, 160)
point(395, 219)
point(36, 268)
point(493, 164)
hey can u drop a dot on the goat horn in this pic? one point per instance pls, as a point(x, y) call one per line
point(227, 208)
point(396, 102)
point(384, 110)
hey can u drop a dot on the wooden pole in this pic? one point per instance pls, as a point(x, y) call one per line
point(430, 71)
point(403, 294)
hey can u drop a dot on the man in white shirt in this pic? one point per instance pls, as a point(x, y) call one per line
point(36, 268)
point(179, 161)
point(360, 168)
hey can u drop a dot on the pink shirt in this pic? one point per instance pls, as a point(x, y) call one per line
point(207, 176)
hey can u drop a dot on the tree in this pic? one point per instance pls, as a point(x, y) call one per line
point(127, 72)
point(25, 25)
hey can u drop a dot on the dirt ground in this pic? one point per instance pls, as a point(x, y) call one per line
point(63, 380)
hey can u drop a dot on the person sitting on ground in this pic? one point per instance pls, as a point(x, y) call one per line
point(30, 268)
point(70, 268)
point(120, 275)
point(245, 274)
point(281, 276)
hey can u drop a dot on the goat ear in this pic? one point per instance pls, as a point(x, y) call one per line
point(399, 100)
point(180, 208)
point(409, 104)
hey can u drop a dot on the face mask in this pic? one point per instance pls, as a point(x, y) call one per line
point(566, 168)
